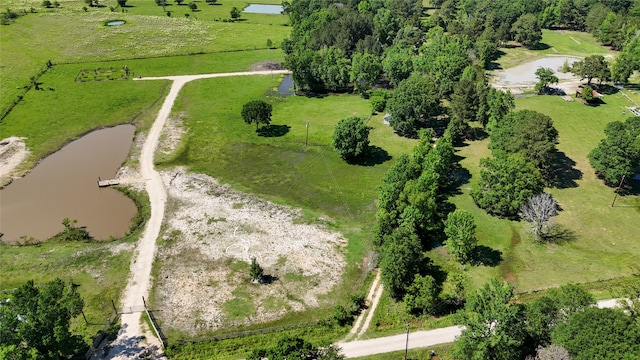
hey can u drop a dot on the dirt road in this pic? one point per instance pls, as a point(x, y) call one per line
point(129, 342)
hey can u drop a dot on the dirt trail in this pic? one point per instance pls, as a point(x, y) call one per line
point(129, 342)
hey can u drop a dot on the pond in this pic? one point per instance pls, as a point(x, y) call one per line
point(116, 23)
point(263, 9)
point(286, 86)
point(65, 185)
point(525, 73)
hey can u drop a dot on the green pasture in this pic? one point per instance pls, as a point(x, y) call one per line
point(101, 270)
point(554, 42)
point(594, 241)
point(65, 109)
point(280, 167)
point(72, 35)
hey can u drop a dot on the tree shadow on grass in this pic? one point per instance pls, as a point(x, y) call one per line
point(273, 130)
point(484, 255)
point(559, 235)
point(374, 155)
point(565, 174)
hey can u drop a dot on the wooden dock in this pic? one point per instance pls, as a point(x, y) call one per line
point(109, 182)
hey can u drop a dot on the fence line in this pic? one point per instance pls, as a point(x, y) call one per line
point(246, 333)
point(101, 336)
point(154, 324)
point(21, 96)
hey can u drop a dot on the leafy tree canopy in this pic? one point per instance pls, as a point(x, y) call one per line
point(35, 322)
point(594, 66)
point(618, 154)
point(506, 183)
point(258, 112)
point(529, 133)
point(414, 102)
point(351, 138)
point(599, 334)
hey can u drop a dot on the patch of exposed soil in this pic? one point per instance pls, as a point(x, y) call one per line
point(13, 152)
point(210, 236)
point(266, 65)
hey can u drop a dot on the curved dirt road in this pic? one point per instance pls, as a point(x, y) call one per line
point(128, 343)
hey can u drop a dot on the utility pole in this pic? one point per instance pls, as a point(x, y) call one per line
point(306, 142)
point(618, 189)
point(406, 348)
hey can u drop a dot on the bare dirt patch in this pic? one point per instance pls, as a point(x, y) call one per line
point(266, 65)
point(13, 152)
point(212, 232)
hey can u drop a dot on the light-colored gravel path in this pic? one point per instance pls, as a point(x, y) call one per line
point(129, 342)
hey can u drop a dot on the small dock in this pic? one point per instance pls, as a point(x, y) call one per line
point(109, 182)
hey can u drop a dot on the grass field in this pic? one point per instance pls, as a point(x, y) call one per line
point(554, 42)
point(65, 109)
point(69, 34)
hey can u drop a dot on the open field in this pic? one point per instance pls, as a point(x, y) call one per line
point(72, 35)
point(65, 109)
point(554, 42)
point(597, 241)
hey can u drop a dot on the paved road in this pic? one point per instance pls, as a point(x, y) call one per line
point(418, 339)
point(129, 344)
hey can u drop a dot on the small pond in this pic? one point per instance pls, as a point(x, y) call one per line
point(525, 73)
point(286, 86)
point(263, 9)
point(65, 185)
point(116, 23)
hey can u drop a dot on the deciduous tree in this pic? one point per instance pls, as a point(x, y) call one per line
point(35, 322)
point(494, 328)
point(599, 334)
point(527, 132)
point(618, 153)
point(538, 211)
point(414, 102)
point(506, 182)
point(461, 235)
point(526, 31)
point(400, 259)
point(594, 66)
point(545, 77)
point(258, 112)
point(422, 295)
point(351, 138)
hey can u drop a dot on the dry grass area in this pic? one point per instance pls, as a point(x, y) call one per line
point(212, 232)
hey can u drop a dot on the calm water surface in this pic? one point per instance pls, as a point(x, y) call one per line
point(65, 185)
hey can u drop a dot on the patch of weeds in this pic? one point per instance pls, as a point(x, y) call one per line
point(282, 260)
point(212, 220)
point(172, 237)
point(240, 307)
point(213, 283)
point(296, 277)
point(237, 205)
point(272, 303)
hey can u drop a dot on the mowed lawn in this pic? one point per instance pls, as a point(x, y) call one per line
point(598, 242)
point(554, 42)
